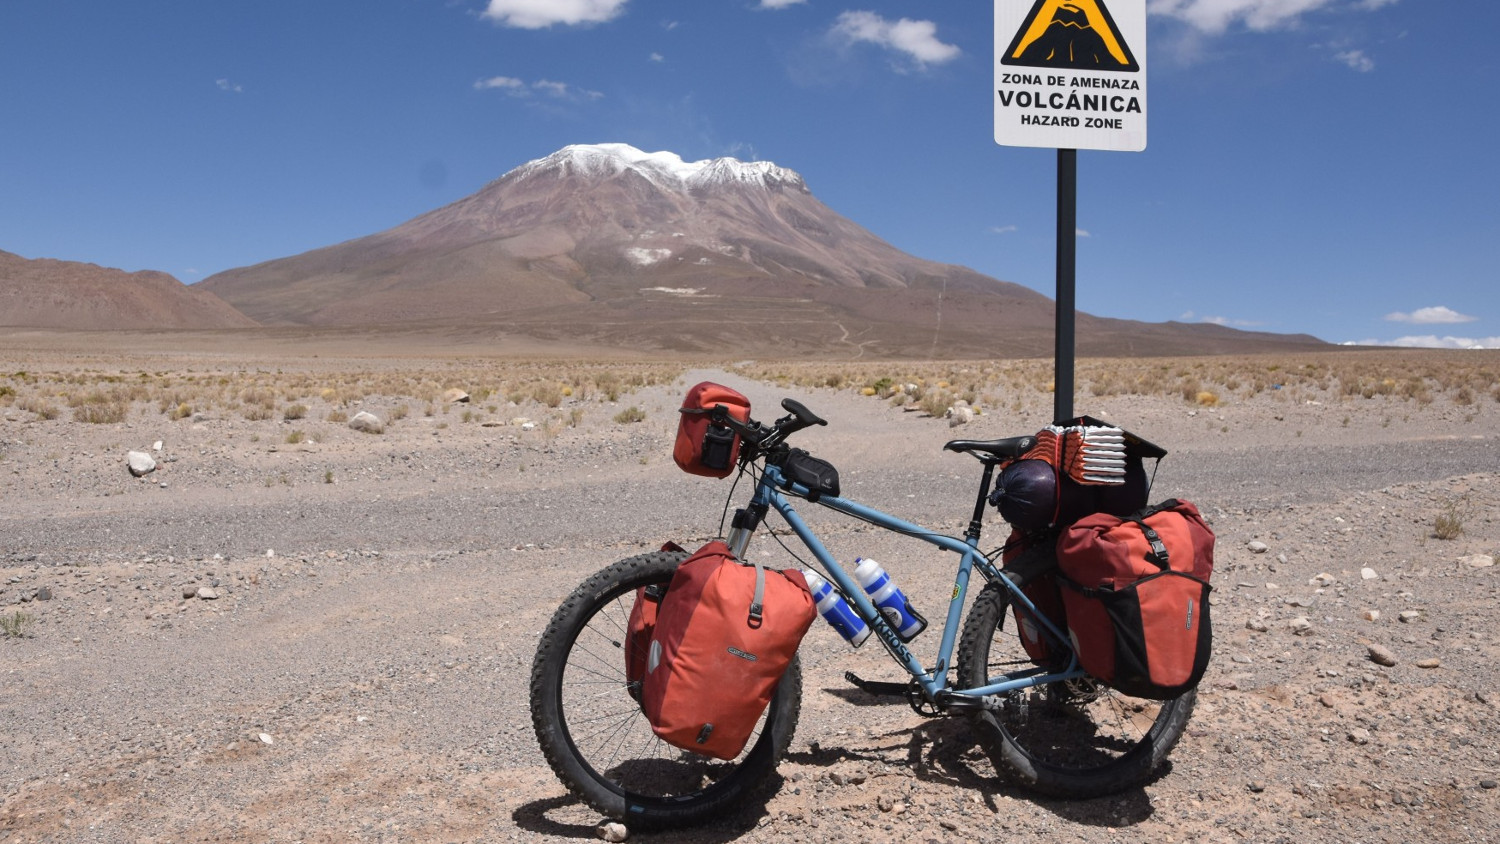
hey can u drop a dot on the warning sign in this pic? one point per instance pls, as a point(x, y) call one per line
point(1071, 74)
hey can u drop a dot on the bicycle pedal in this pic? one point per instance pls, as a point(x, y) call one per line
point(876, 687)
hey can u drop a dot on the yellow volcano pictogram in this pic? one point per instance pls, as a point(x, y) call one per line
point(1070, 34)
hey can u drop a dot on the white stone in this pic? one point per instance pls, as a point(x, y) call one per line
point(140, 463)
point(1371, 615)
point(265, 738)
point(1367, 573)
point(1478, 561)
point(367, 422)
point(612, 831)
point(456, 395)
point(1257, 547)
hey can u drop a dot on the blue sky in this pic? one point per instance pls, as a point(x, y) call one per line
point(1318, 166)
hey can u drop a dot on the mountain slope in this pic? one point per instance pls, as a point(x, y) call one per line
point(46, 293)
point(612, 245)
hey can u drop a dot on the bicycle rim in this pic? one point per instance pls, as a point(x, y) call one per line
point(594, 734)
point(1074, 739)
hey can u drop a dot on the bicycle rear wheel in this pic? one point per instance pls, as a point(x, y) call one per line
point(1076, 739)
point(594, 735)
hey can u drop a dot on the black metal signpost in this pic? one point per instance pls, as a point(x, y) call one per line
point(1069, 76)
point(1067, 253)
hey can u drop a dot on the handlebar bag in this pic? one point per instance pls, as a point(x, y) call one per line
point(1136, 595)
point(724, 636)
point(702, 447)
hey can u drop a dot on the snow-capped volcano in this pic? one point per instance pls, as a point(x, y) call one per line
point(608, 244)
point(666, 169)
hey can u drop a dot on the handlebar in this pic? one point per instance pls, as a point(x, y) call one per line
point(760, 437)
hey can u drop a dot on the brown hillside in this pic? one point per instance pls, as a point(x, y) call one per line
point(47, 293)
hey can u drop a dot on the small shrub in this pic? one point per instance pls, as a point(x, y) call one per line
point(294, 412)
point(935, 403)
point(630, 415)
point(181, 411)
point(295, 437)
point(101, 412)
point(1207, 398)
point(337, 416)
point(1449, 523)
point(15, 625)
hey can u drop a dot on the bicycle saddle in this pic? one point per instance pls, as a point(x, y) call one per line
point(1008, 447)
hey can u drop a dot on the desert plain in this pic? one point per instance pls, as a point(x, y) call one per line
point(294, 631)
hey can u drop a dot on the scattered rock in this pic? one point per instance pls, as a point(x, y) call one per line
point(207, 593)
point(1322, 579)
point(44, 594)
point(1256, 624)
point(959, 415)
point(612, 831)
point(190, 590)
point(1300, 626)
point(140, 463)
point(1367, 573)
point(156, 446)
point(1430, 662)
point(1478, 561)
point(265, 738)
point(1359, 735)
point(1381, 655)
point(367, 422)
point(1370, 615)
point(457, 396)
point(1255, 546)
point(1409, 616)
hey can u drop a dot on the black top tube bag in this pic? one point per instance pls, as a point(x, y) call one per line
point(819, 476)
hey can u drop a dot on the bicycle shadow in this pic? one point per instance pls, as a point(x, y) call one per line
point(946, 752)
point(545, 817)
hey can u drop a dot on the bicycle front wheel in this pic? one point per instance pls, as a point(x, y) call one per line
point(1075, 739)
point(594, 735)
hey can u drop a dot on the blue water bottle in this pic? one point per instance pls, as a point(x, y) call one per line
point(835, 610)
point(889, 599)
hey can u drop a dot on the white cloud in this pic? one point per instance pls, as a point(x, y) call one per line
point(520, 88)
point(1217, 16)
point(779, 4)
point(658, 58)
point(1356, 60)
point(1003, 229)
point(1438, 315)
point(539, 14)
point(1432, 341)
point(231, 87)
point(1189, 316)
point(916, 39)
point(1081, 233)
point(505, 83)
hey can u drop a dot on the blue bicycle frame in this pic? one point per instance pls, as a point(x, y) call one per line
point(933, 682)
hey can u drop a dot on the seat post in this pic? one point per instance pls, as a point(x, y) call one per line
point(977, 523)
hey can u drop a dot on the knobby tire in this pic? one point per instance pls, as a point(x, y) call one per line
point(1077, 739)
point(594, 735)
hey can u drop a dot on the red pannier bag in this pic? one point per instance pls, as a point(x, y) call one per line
point(1136, 595)
point(703, 448)
point(725, 633)
point(639, 629)
point(1045, 594)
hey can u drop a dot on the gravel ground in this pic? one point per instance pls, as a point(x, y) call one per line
point(329, 640)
